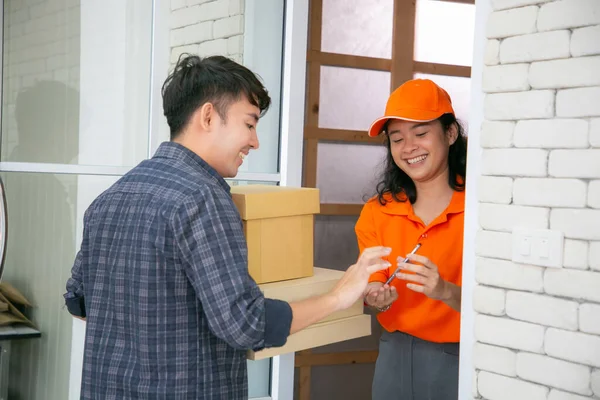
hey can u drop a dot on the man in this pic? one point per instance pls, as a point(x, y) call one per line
point(161, 277)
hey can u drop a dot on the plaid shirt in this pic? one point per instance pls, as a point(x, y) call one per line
point(162, 278)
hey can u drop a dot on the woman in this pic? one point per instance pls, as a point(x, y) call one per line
point(420, 200)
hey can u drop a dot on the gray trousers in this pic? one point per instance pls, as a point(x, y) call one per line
point(409, 368)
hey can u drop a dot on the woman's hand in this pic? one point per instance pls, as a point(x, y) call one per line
point(380, 296)
point(427, 280)
point(426, 277)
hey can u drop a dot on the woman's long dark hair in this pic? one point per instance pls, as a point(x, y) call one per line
point(398, 184)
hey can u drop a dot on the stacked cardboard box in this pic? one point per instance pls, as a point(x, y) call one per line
point(278, 224)
point(279, 229)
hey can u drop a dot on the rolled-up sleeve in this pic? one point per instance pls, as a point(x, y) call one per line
point(209, 234)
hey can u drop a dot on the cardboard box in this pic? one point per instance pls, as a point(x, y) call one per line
point(318, 335)
point(342, 325)
point(279, 226)
point(322, 281)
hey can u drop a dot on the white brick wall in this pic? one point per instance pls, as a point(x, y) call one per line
point(541, 309)
point(509, 333)
point(568, 14)
point(207, 27)
point(576, 254)
point(589, 318)
point(558, 74)
point(573, 346)
point(498, 245)
point(489, 300)
point(501, 217)
point(553, 372)
point(580, 102)
point(523, 162)
point(520, 105)
point(550, 133)
point(584, 41)
point(517, 21)
point(535, 47)
point(538, 329)
point(544, 192)
point(506, 78)
point(495, 189)
point(506, 274)
point(497, 134)
point(495, 359)
point(498, 387)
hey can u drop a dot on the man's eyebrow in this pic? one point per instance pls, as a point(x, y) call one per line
point(254, 115)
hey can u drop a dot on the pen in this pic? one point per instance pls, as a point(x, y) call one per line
point(391, 278)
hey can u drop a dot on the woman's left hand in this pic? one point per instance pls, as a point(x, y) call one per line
point(426, 277)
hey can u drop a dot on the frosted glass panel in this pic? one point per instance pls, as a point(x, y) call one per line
point(459, 89)
point(45, 213)
point(358, 27)
point(76, 81)
point(444, 32)
point(259, 376)
point(352, 98)
point(346, 173)
point(263, 44)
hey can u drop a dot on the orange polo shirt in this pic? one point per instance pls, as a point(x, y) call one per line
point(395, 225)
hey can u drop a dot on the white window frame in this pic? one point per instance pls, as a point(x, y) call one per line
point(467, 378)
point(290, 145)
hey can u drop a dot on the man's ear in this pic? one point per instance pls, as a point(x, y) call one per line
point(204, 117)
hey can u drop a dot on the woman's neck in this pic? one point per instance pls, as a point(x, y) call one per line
point(436, 188)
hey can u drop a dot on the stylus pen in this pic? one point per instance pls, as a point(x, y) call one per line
point(391, 278)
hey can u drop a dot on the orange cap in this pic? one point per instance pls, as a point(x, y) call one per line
point(419, 100)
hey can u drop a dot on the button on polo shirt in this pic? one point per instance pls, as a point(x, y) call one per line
point(395, 225)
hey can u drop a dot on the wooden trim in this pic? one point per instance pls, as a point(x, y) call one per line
point(442, 69)
point(309, 175)
point(349, 61)
point(460, 1)
point(310, 163)
point(347, 357)
point(313, 94)
point(340, 209)
point(304, 378)
point(315, 24)
point(340, 135)
point(403, 42)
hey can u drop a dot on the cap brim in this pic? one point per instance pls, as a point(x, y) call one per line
point(379, 123)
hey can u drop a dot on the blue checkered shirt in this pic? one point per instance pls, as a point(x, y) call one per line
point(162, 278)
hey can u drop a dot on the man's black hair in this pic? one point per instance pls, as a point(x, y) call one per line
point(217, 80)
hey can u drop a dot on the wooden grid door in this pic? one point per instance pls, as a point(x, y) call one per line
point(401, 66)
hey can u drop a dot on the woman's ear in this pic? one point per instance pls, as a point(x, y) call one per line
point(452, 133)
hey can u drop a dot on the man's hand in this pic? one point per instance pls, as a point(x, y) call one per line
point(379, 295)
point(354, 282)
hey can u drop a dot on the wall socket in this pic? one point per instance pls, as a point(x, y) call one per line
point(543, 247)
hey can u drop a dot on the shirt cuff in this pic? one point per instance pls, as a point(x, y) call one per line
point(278, 321)
point(76, 305)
